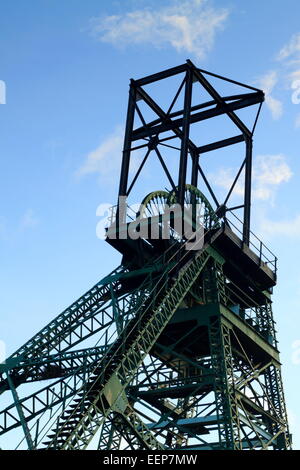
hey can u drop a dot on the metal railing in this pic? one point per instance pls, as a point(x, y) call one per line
point(264, 254)
point(130, 214)
point(255, 315)
point(258, 247)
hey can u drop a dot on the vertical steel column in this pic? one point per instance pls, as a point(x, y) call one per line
point(110, 438)
point(185, 137)
point(225, 400)
point(225, 425)
point(274, 391)
point(194, 176)
point(20, 412)
point(127, 140)
point(247, 194)
point(194, 182)
point(222, 365)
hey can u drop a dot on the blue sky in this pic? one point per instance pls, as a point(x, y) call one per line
point(66, 66)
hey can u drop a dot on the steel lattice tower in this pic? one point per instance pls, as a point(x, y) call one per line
point(176, 348)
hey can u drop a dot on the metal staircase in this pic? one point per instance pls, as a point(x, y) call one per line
point(177, 347)
point(116, 369)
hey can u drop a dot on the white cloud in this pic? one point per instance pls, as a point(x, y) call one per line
point(224, 179)
point(295, 75)
point(289, 55)
point(291, 49)
point(269, 171)
point(267, 82)
point(275, 106)
point(288, 72)
point(187, 26)
point(28, 220)
point(286, 228)
point(106, 159)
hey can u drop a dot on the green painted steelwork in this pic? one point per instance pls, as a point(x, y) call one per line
point(178, 347)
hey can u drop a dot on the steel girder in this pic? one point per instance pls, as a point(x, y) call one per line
point(207, 394)
point(120, 363)
point(183, 356)
point(152, 134)
point(93, 314)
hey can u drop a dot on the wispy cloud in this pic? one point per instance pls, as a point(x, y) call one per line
point(10, 231)
point(28, 220)
point(187, 26)
point(291, 49)
point(224, 178)
point(105, 160)
point(287, 73)
point(286, 228)
point(267, 82)
point(269, 171)
point(289, 56)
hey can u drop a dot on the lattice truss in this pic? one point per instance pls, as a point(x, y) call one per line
point(139, 387)
point(176, 348)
